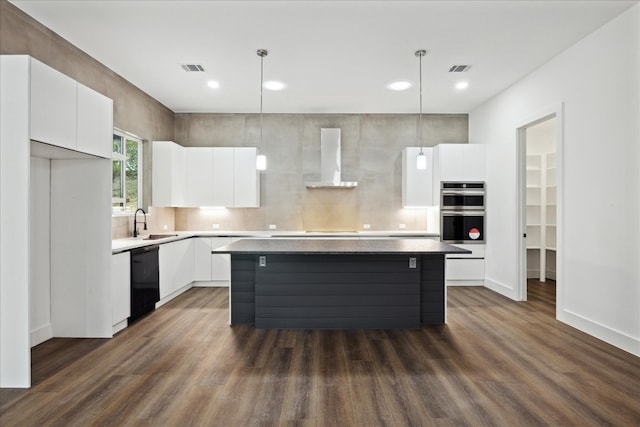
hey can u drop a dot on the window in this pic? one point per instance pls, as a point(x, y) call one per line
point(127, 172)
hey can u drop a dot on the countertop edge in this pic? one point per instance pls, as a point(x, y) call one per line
point(127, 244)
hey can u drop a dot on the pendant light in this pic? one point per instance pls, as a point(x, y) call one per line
point(421, 160)
point(261, 159)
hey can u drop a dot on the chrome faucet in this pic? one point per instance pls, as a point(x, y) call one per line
point(135, 223)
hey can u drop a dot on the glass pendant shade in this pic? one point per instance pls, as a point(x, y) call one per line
point(261, 162)
point(421, 161)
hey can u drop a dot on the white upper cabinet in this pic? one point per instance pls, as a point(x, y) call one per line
point(168, 174)
point(459, 162)
point(246, 178)
point(95, 123)
point(204, 176)
point(199, 177)
point(68, 114)
point(53, 106)
point(223, 176)
point(417, 184)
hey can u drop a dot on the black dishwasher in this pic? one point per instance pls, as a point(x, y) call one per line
point(145, 281)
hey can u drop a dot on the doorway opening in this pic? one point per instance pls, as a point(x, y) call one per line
point(541, 206)
point(540, 155)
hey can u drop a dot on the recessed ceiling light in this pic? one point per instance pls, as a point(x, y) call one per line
point(399, 85)
point(462, 85)
point(274, 85)
point(213, 84)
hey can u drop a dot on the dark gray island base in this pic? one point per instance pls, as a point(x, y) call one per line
point(337, 283)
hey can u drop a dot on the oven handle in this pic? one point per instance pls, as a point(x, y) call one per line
point(462, 192)
point(463, 213)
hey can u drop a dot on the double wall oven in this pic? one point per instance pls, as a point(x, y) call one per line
point(462, 208)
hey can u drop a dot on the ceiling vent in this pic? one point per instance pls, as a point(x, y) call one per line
point(459, 68)
point(192, 67)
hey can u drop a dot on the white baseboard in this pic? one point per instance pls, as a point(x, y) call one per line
point(465, 282)
point(500, 288)
point(119, 326)
point(41, 334)
point(616, 338)
point(212, 284)
point(171, 296)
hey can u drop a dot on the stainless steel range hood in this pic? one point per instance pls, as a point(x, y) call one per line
point(330, 162)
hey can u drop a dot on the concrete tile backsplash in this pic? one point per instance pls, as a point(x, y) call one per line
point(371, 154)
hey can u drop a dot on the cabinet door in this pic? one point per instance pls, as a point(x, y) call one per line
point(465, 269)
point(53, 106)
point(246, 180)
point(94, 122)
point(161, 174)
point(176, 262)
point(417, 185)
point(121, 286)
point(223, 176)
point(451, 162)
point(460, 162)
point(199, 176)
point(178, 175)
point(168, 174)
point(220, 263)
point(473, 162)
point(202, 256)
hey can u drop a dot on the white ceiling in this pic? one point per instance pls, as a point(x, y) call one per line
point(334, 56)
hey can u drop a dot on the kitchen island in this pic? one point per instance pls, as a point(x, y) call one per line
point(338, 283)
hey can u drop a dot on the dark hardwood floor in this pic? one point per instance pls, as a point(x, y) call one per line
point(496, 363)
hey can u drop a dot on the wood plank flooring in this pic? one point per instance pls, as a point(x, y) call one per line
point(496, 363)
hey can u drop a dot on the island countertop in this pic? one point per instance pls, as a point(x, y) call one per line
point(339, 246)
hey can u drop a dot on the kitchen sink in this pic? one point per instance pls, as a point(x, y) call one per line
point(158, 236)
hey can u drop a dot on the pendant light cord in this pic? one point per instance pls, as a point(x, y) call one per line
point(420, 54)
point(262, 55)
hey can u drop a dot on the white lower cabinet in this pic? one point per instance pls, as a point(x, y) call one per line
point(212, 269)
point(120, 289)
point(221, 263)
point(467, 269)
point(176, 263)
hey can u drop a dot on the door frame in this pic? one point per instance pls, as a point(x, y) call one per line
point(556, 111)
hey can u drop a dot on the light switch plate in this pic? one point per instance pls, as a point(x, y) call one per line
point(216, 225)
point(272, 227)
point(366, 226)
point(402, 226)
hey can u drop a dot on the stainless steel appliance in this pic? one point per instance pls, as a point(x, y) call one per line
point(462, 212)
point(462, 196)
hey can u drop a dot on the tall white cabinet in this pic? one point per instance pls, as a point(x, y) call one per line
point(40, 105)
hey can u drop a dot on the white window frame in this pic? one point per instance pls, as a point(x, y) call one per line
point(121, 156)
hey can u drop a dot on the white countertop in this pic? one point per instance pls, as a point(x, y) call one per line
point(121, 245)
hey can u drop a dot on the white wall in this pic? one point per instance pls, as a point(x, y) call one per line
point(39, 251)
point(598, 82)
point(541, 138)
